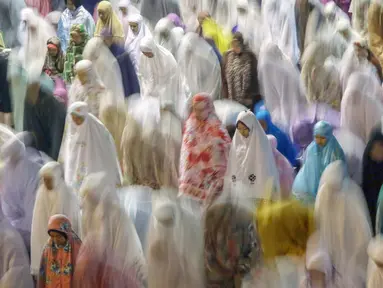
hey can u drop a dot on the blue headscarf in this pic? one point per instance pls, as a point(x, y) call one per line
point(317, 159)
point(285, 146)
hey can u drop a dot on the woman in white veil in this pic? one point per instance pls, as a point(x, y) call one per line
point(199, 66)
point(53, 197)
point(361, 107)
point(163, 35)
point(344, 225)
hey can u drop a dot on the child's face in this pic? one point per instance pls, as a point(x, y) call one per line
point(76, 37)
point(52, 51)
point(57, 238)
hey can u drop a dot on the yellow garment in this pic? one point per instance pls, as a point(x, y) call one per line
point(112, 22)
point(284, 228)
point(375, 30)
point(212, 31)
point(2, 45)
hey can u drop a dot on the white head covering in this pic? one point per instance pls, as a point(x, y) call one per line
point(175, 253)
point(133, 40)
point(199, 65)
point(59, 200)
point(251, 160)
point(281, 85)
point(375, 251)
point(82, 143)
point(131, 10)
point(361, 106)
point(107, 68)
point(159, 76)
point(163, 35)
point(345, 230)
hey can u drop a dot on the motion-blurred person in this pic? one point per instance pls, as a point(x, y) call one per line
point(154, 10)
point(109, 20)
point(14, 268)
point(375, 34)
point(375, 252)
point(239, 73)
point(324, 150)
point(373, 171)
point(164, 35)
point(53, 18)
point(125, 9)
point(18, 197)
point(84, 138)
point(10, 21)
point(204, 152)
point(359, 12)
point(251, 160)
point(53, 197)
point(205, 72)
point(75, 13)
point(344, 224)
point(58, 260)
point(43, 7)
point(54, 60)
point(77, 43)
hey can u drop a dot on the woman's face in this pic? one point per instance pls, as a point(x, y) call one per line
point(77, 119)
point(236, 46)
point(82, 77)
point(245, 132)
point(376, 153)
point(200, 111)
point(124, 11)
point(53, 51)
point(102, 15)
point(320, 140)
point(48, 182)
point(134, 27)
point(70, 5)
point(76, 37)
point(57, 238)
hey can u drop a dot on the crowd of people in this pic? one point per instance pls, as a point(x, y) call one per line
point(191, 143)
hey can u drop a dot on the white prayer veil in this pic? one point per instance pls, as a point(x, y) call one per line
point(199, 65)
point(87, 148)
point(130, 10)
point(361, 106)
point(160, 78)
point(280, 85)
point(375, 252)
point(107, 68)
point(175, 251)
point(359, 11)
point(59, 200)
point(227, 111)
point(251, 160)
point(345, 230)
point(163, 35)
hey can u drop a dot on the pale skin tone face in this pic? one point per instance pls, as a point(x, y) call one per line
point(82, 76)
point(77, 119)
point(376, 153)
point(245, 132)
point(48, 182)
point(76, 37)
point(320, 140)
point(200, 112)
point(102, 15)
point(134, 27)
point(58, 238)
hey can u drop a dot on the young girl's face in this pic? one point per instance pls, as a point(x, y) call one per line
point(245, 132)
point(320, 140)
point(57, 238)
point(52, 51)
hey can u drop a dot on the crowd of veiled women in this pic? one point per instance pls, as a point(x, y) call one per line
point(164, 144)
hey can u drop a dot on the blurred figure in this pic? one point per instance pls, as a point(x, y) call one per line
point(286, 171)
point(18, 197)
point(324, 150)
point(359, 11)
point(5, 89)
point(77, 43)
point(165, 36)
point(154, 10)
point(125, 9)
point(10, 21)
point(251, 160)
point(239, 73)
point(43, 7)
point(14, 268)
point(205, 73)
point(375, 34)
point(284, 144)
point(75, 13)
point(108, 19)
point(361, 107)
point(375, 252)
point(60, 92)
point(176, 20)
point(137, 30)
point(53, 197)
point(230, 244)
point(58, 261)
point(204, 152)
point(54, 60)
point(159, 76)
point(173, 234)
point(44, 116)
point(53, 18)
point(344, 224)
point(373, 170)
point(91, 139)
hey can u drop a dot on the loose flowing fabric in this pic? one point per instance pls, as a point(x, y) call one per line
point(80, 145)
point(111, 22)
point(339, 209)
point(204, 153)
point(59, 200)
point(42, 6)
point(58, 263)
point(375, 252)
point(251, 160)
point(318, 157)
